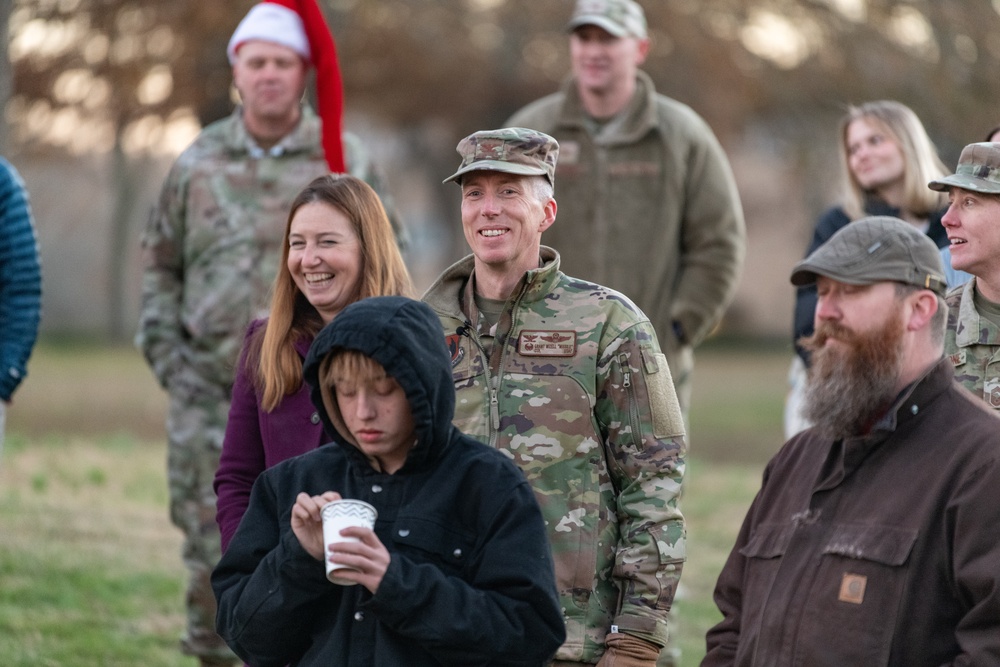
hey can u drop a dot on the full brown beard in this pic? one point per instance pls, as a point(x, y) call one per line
point(847, 390)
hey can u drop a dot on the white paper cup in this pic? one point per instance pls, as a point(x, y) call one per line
point(337, 515)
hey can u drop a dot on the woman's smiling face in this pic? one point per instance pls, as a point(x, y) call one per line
point(324, 258)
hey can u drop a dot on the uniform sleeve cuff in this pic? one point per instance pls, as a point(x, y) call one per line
point(651, 629)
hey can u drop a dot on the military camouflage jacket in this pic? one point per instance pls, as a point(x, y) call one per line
point(577, 392)
point(973, 343)
point(212, 245)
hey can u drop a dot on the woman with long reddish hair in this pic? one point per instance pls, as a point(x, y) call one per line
point(338, 248)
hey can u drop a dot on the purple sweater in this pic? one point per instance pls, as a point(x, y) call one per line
point(256, 439)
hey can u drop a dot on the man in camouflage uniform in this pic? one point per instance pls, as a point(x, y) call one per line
point(567, 378)
point(973, 225)
point(644, 181)
point(210, 253)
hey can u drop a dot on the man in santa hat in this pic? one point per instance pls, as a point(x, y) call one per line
point(211, 251)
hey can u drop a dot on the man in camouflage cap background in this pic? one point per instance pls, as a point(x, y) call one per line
point(653, 204)
point(567, 377)
point(211, 250)
point(872, 540)
point(973, 226)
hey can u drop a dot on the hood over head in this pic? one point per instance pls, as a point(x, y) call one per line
point(405, 337)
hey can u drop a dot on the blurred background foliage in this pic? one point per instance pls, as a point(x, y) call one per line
point(100, 95)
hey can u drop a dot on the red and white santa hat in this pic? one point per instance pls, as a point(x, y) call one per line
point(301, 26)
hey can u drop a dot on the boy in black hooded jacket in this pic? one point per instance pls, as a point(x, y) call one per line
point(457, 570)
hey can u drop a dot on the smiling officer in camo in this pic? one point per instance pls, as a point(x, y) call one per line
point(567, 378)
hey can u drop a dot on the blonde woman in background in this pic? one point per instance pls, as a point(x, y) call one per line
point(886, 161)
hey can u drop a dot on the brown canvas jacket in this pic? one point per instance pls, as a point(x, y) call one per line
point(873, 551)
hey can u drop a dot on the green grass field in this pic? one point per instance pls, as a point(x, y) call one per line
point(90, 569)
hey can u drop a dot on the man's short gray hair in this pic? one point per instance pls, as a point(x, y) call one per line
point(541, 188)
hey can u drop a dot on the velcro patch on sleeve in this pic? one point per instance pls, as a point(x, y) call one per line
point(663, 406)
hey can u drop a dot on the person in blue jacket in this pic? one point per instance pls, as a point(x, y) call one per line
point(457, 570)
point(20, 285)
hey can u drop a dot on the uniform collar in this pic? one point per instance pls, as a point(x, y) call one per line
point(534, 285)
point(303, 139)
point(973, 329)
point(448, 293)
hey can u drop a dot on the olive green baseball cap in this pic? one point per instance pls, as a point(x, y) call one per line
point(874, 250)
point(620, 18)
point(513, 150)
point(978, 170)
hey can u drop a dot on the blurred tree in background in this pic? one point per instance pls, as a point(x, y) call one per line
point(123, 67)
point(133, 80)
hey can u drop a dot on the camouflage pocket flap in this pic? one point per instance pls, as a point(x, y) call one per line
point(671, 542)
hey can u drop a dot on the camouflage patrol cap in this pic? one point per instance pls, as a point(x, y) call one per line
point(619, 17)
point(978, 170)
point(514, 150)
point(874, 250)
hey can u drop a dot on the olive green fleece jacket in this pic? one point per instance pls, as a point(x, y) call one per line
point(647, 206)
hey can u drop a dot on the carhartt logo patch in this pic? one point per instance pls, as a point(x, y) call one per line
point(852, 588)
point(547, 343)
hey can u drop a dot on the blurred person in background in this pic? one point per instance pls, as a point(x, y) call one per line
point(210, 253)
point(20, 286)
point(973, 225)
point(873, 538)
point(648, 197)
point(338, 247)
point(886, 161)
point(653, 207)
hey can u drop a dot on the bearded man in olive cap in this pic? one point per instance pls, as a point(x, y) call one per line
point(873, 538)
